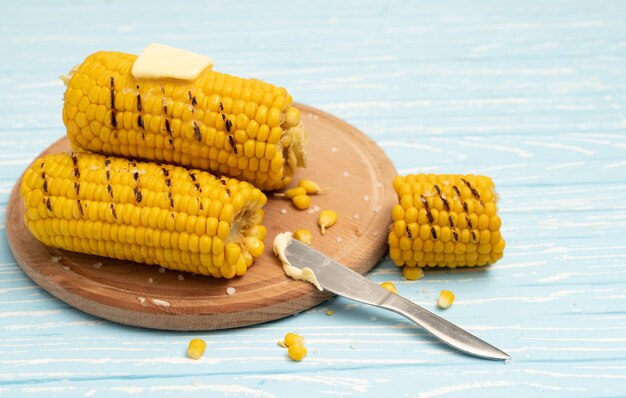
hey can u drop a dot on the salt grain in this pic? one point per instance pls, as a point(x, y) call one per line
point(181, 277)
point(230, 291)
point(356, 216)
point(339, 239)
point(150, 280)
point(310, 211)
point(66, 268)
point(55, 259)
point(346, 174)
point(142, 300)
point(366, 198)
point(376, 209)
point(162, 270)
point(97, 265)
point(333, 149)
point(283, 211)
point(316, 208)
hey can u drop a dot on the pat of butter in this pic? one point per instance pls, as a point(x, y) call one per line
point(159, 61)
point(305, 274)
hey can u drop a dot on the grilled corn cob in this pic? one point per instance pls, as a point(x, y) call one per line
point(243, 128)
point(445, 221)
point(185, 220)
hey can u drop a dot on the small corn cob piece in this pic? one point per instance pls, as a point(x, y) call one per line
point(243, 128)
point(445, 221)
point(181, 219)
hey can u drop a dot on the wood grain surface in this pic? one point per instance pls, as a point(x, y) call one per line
point(353, 167)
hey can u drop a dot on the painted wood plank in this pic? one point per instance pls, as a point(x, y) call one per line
point(529, 93)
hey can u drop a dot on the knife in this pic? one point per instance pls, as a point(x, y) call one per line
point(341, 280)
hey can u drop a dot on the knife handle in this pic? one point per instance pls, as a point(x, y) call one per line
point(442, 329)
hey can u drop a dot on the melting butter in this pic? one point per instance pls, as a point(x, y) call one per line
point(158, 61)
point(305, 274)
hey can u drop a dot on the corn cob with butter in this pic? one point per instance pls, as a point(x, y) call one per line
point(445, 221)
point(182, 219)
point(243, 128)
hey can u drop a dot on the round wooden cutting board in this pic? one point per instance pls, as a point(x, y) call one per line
point(341, 157)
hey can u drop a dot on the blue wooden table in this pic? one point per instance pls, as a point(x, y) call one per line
point(530, 93)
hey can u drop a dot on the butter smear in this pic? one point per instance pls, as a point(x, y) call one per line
point(305, 274)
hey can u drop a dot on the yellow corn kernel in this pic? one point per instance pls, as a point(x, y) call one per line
point(390, 286)
point(254, 245)
point(177, 218)
point(292, 193)
point(310, 186)
point(442, 220)
point(297, 352)
point(412, 273)
point(446, 298)
point(301, 202)
point(292, 339)
point(293, 116)
point(108, 111)
point(303, 235)
point(330, 312)
point(327, 218)
point(196, 348)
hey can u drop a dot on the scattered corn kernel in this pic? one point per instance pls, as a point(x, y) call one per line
point(412, 273)
point(303, 235)
point(311, 187)
point(327, 219)
point(292, 339)
point(389, 286)
point(330, 312)
point(297, 352)
point(196, 348)
point(302, 202)
point(292, 193)
point(446, 298)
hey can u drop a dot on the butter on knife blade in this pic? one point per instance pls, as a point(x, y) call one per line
point(281, 241)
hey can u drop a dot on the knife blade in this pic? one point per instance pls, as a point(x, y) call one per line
point(341, 280)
